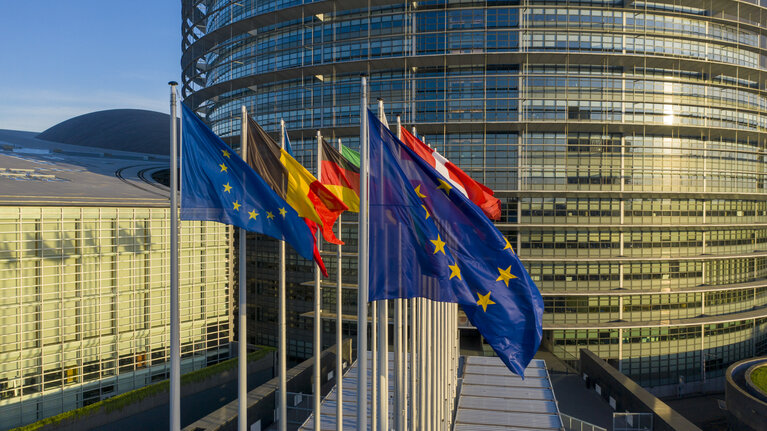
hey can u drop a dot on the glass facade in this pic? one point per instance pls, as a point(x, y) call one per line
point(84, 304)
point(626, 141)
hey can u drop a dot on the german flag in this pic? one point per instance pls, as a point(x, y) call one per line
point(351, 155)
point(300, 189)
point(340, 176)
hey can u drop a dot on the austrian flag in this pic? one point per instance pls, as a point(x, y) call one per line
point(477, 192)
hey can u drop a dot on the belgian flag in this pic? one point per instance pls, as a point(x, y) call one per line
point(341, 176)
point(300, 189)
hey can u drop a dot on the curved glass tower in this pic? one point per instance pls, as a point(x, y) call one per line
point(626, 140)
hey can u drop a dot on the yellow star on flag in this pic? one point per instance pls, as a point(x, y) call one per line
point(227, 188)
point(444, 185)
point(226, 154)
point(283, 212)
point(269, 215)
point(236, 206)
point(418, 191)
point(455, 271)
point(223, 167)
point(484, 301)
point(427, 211)
point(439, 245)
point(506, 275)
point(253, 214)
point(508, 244)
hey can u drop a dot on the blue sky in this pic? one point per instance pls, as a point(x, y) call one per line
point(63, 58)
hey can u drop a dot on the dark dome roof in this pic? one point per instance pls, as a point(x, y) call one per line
point(134, 130)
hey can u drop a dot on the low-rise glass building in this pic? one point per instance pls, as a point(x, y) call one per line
point(84, 277)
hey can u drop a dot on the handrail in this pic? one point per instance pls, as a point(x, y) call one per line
point(574, 424)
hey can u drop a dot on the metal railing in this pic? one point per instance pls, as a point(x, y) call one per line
point(632, 421)
point(574, 424)
point(567, 358)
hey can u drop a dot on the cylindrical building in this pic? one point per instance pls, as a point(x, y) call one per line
point(626, 140)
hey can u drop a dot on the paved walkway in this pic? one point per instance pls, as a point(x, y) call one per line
point(579, 402)
point(702, 410)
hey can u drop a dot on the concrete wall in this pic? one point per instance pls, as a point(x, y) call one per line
point(630, 396)
point(745, 411)
point(102, 416)
point(262, 400)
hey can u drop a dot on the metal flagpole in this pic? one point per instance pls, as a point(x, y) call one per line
point(436, 318)
point(444, 382)
point(423, 404)
point(175, 333)
point(383, 345)
point(317, 323)
point(362, 263)
point(396, 320)
point(437, 365)
point(440, 384)
point(451, 372)
point(283, 327)
point(441, 364)
point(339, 332)
point(373, 366)
point(438, 328)
point(413, 372)
point(428, 357)
point(434, 363)
point(448, 362)
point(383, 366)
point(242, 346)
point(445, 362)
point(446, 370)
point(399, 370)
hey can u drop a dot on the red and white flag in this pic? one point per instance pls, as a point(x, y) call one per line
point(477, 192)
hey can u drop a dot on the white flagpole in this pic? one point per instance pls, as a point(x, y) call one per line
point(317, 322)
point(383, 366)
point(242, 321)
point(436, 384)
point(175, 332)
point(446, 367)
point(441, 364)
point(414, 401)
point(373, 366)
point(437, 365)
point(399, 371)
point(383, 347)
point(282, 326)
point(439, 383)
point(362, 264)
point(434, 362)
point(422, 402)
point(428, 357)
point(445, 362)
point(443, 381)
point(451, 376)
point(339, 332)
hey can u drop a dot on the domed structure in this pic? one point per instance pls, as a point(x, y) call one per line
point(134, 130)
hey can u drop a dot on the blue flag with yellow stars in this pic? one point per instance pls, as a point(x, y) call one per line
point(218, 185)
point(429, 240)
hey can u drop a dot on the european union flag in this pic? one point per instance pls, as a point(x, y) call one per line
point(429, 240)
point(218, 185)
